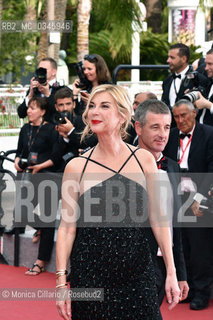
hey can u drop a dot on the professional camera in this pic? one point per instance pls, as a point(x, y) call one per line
point(84, 82)
point(59, 117)
point(32, 160)
point(23, 163)
point(41, 76)
point(207, 203)
point(192, 96)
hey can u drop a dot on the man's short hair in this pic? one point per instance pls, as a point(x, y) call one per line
point(52, 62)
point(154, 106)
point(210, 51)
point(186, 102)
point(150, 95)
point(183, 50)
point(63, 93)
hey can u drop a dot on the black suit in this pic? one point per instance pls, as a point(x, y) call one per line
point(197, 240)
point(172, 168)
point(22, 108)
point(208, 118)
point(185, 84)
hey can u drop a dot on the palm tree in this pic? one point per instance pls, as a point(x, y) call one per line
point(154, 11)
point(84, 9)
point(60, 13)
point(0, 19)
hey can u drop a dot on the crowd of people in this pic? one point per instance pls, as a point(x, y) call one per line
point(114, 156)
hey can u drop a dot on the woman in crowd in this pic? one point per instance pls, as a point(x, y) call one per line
point(108, 248)
point(96, 73)
point(36, 154)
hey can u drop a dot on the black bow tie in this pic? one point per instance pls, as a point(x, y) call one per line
point(183, 135)
point(162, 164)
point(176, 76)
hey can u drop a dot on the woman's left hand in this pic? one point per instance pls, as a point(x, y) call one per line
point(85, 96)
point(172, 290)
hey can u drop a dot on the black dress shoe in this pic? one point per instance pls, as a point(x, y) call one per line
point(12, 230)
point(199, 303)
point(187, 300)
point(2, 228)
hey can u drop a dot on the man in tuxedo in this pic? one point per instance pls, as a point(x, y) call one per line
point(205, 105)
point(191, 144)
point(45, 89)
point(152, 124)
point(72, 125)
point(182, 76)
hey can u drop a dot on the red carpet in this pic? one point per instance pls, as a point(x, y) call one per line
point(13, 277)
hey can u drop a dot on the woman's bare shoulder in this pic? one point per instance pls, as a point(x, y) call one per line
point(141, 152)
point(75, 165)
point(146, 159)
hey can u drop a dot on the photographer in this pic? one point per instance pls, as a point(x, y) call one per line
point(37, 152)
point(69, 125)
point(205, 105)
point(43, 84)
point(92, 73)
point(182, 76)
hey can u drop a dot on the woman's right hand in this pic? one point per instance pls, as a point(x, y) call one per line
point(75, 89)
point(16, 164)
point(33, 85)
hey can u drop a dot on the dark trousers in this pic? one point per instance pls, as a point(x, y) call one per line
point(48, 203)
point(198, 253)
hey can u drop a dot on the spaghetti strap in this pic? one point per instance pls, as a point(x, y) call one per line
point(102, 165)
point(88, 158)
point(133, 153)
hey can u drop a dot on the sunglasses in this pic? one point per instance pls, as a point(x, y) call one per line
point(90, 57)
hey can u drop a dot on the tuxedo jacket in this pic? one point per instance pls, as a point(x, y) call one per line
point(173, 171)
point(200, 159)
point(22, 108)
point(208, 118)
point(185, 84)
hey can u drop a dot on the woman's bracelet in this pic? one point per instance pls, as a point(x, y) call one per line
point(61, 285)
point(60, 273)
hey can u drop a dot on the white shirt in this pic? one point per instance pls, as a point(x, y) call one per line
point(175, 86)
point(186, 182)
point(204, 110)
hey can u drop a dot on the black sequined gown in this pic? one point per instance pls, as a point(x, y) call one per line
point(116, 259)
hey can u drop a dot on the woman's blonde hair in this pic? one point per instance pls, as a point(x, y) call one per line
point(124, 107)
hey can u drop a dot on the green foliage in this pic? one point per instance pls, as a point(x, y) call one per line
point(15, 46)
point(116, 17)
point(153, 50)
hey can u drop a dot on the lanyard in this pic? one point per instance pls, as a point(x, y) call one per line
point(31, 139)
point(184, 150)
point(159, 162)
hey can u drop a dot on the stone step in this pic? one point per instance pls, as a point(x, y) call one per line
point(28, 251)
